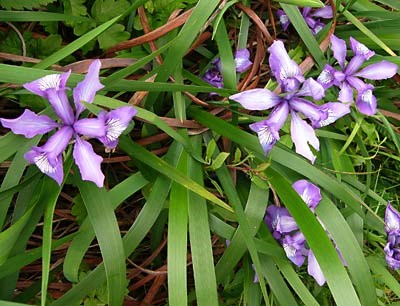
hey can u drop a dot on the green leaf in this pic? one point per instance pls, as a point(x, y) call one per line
point(21, 4)
point(219, 160)
point(104, 10)
point(105, 225)
point(311, 3)
point(112, 36)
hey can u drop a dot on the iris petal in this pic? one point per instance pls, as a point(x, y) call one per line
point(378, 71)
point(256, 99)
point(392, 220)
point(303, 135)
point(314, 269)
point(29, 124)
point(338, 47)
point(310, 193)
point(51, 81)
point(88, 162)
point(86, 90)
point(366, 101)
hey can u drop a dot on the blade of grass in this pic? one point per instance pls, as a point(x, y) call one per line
point(200, 240)
point(105, 225)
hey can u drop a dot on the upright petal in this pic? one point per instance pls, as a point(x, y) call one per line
point(242, 60)
point(314, 269)
point(310, 193)
point(366, 101)
point(116, 121)
point(88, 162)
point(334, 111)
point(325, 12)
point(282, 66)
point(91, 127)
point(283, 19)
point(354, 64)
point(360, 49)
point(29, 124)
point(51, 167)
point(303, 135)
point(256, 99)
point(346, 93)
point(268, 130)
point(312, 88)
point(59, 101)
point(326, 77)
point(51, 81)
point(57, 143)
point(378, 71)
point(392, 220)
point(338, 47)
point(308, 109)
point(86, 90)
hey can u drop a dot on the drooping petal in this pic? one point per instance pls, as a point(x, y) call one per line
point(52, 168)
point(326, 77)
point(312, 88)
point(279, 221)
point(283, 19)
point(310, 193)
point(268, 130)
point(346, 93)
point(334, 110)
point(116, 122)
point(392, 220)
point(308, 109)
point(378, 71)
point(86, 90)
point(282, 66)
point(314, 269)
point(29, 124)
point(303, 135)
point(59, 101)
point(51, 81)
point(293, 245)
point(354, 64)
point(392, 257)
point(366, 101)
point(356, 83)
point(48, 158)
point(88, 162)
point(256, 99)
point(91, 127)
point(325, 12)
point(214, 77)
point(317, 27)
point(242, 60)
point(360, 49)
point(338, 47)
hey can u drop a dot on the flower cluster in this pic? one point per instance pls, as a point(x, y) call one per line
point(107, 127)
point(392, 228)
point(348, 76)
point(285, 230)
point(213, 75)
point(291, 101)
point(312, 18)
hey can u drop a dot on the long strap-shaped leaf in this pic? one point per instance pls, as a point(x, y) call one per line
point(142, 225)
point(177, 238)
point(200, 240)
point(104, 222)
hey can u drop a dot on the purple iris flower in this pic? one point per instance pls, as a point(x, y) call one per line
point(107, 127)
point(286, 231)
point(312, 18)
point(392, 228)
point(349, 76)
point(213, 75)
point(294, 88)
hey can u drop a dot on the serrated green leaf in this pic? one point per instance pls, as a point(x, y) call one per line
point(21, 4)
point(112, 36)
point(104, 10)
